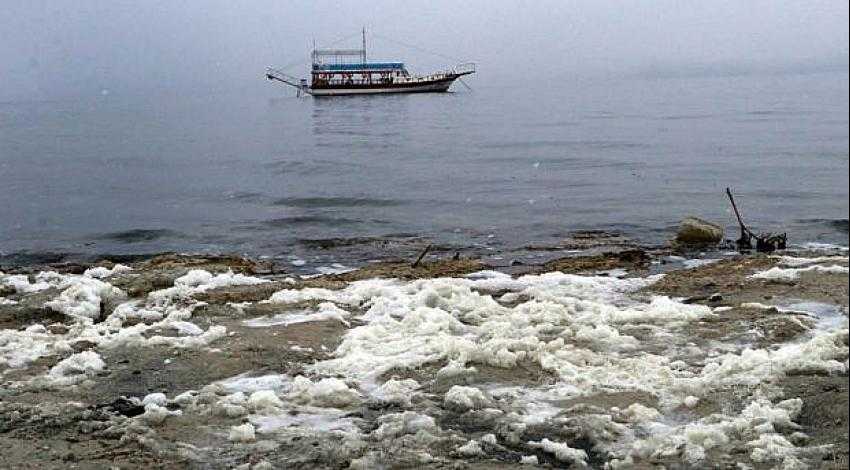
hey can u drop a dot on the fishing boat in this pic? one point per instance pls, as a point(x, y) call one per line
point(337, 72)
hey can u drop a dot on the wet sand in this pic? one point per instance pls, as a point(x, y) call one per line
point(567, 392)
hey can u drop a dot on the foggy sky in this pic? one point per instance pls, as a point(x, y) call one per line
point(60, 48)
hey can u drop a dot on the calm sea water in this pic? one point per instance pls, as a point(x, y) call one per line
point(265, 173)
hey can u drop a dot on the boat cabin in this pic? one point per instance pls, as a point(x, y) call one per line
point(332, 67)
point(359, 73)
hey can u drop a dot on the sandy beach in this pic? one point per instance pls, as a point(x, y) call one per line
point(617, 356)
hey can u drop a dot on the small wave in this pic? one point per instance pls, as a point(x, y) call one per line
point(767, 112)
point(572, 162)
point(685, 117)
point(318, 202)
point(538, 125)
point(245, 196)
point(753, 120)
point(789, 194)
point(824, 247)
point(596, 144)
point(840, 225)
point(313, 220)
point(27, 258)
point(140, 235)
point(359, 144)
point(285, 166)
point(603, 115)
point(328, 243)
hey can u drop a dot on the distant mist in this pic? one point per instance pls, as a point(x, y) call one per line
point(62, 48)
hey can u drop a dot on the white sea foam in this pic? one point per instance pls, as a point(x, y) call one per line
point(427, 320)
point(21, 348)
point(81, 297)
point(81, 363)
point(575, 327)
point(247, 383)
point(158, 398)
point(101, 272)
point(759, 420)
point(399, 392)
point(204, 280)
point(393, 425)
point(326, 311)
point(335, 268)
point(696, 263)
point(829, 316)
point(471, 449)
point(465, 398)
point(155, 414)
point(329, 392)
point(791, 274)
point(562, 451)
point(308, 419)
point(262, 400)
point(22, 284)
point(796, 262)
point(590, 334)
point(242, 433)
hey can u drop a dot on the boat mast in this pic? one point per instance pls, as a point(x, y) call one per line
point(364, 44)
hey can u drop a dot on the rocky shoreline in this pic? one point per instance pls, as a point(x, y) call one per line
point(615, 356)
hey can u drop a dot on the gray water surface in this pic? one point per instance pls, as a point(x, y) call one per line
point(265, 173)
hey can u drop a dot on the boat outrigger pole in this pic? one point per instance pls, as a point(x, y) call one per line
point(300, 84)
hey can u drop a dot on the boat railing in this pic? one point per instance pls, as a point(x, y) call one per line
point(353, 81)
point(459, 69)
point(425, 78)
point(379, 81)
point(464, 68)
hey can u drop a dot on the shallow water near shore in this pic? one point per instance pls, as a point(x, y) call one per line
point(352, 179)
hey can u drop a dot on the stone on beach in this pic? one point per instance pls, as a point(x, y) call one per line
point(695, 231)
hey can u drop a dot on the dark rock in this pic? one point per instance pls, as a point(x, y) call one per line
point(586, 239)
point(124, 407)
point(57, 328)
point(82, 345)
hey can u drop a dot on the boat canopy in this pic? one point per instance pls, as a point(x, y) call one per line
point(357, 67)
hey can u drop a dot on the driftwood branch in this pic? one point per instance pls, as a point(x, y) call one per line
point(765, 242)
point(745, 241)
point(421, 255)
